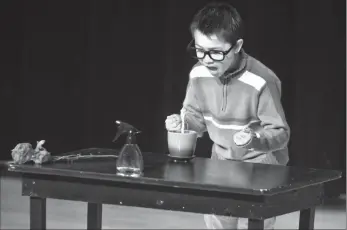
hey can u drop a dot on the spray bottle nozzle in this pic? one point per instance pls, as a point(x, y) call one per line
point(124, 127)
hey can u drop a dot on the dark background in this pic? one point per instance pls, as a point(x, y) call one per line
point(69, 69)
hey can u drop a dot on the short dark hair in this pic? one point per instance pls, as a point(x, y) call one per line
point(218, 18)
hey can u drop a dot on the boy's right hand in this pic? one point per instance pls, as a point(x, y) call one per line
point(173, 122)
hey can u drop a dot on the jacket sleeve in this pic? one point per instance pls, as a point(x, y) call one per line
point(274, 131)
point(193, 114)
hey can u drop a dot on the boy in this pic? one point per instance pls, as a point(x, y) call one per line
point(234, 97)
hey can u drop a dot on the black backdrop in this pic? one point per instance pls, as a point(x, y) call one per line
point(69, 69)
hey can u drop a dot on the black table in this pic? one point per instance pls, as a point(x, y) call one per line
point(248, 190)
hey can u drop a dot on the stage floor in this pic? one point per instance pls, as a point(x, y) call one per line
point(72, 215)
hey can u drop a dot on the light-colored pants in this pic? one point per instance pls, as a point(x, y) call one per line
point(229, 222)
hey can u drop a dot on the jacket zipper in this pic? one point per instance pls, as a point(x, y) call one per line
point(224, 97)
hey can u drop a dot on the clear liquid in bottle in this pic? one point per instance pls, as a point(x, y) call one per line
point(130, 161)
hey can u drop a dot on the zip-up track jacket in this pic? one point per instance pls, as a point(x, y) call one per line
point(224, 105)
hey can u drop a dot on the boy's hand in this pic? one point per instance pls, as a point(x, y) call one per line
point(243, 137)
point(173, 122)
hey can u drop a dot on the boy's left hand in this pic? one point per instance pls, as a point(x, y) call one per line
point(245, 136)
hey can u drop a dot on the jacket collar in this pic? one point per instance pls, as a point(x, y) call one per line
point(241, 65)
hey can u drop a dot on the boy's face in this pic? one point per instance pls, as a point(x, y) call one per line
point(215, 44)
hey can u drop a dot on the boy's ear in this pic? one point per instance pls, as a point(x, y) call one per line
point(238, 45)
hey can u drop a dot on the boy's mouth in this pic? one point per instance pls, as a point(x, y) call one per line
point(212, 68)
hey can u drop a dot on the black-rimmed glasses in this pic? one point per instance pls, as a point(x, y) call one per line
point(216, 55)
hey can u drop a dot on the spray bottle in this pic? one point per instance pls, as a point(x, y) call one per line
point(130, 160)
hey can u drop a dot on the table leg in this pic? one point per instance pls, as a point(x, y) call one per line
point(255, 224)
point(94, 217)
point(37, 213)
point(307, 218)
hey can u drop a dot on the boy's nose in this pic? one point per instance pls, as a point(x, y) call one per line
point(207, 59)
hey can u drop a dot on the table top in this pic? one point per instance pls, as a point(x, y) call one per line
point(199, 173)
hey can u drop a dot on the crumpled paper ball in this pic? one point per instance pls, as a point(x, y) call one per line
point(24, 152)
